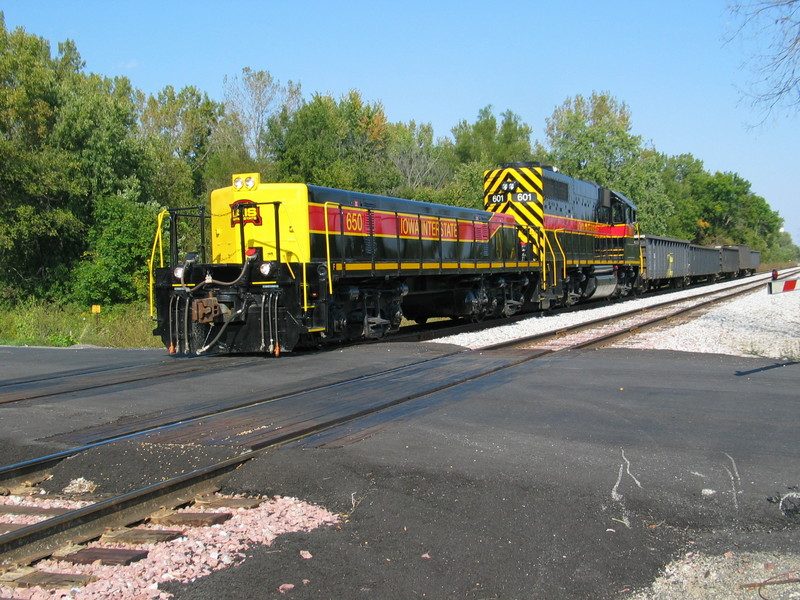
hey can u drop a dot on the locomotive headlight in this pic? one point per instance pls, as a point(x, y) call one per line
point(178, 272)
point(246, 181)
point(265, 268)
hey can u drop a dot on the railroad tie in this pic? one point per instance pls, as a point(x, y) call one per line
point(18, 509)
point(120, 557)
point(135, 536)
point(28, 577)
point(190, 519)
point(223, 502)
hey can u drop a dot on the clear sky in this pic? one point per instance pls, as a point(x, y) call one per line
point(441, 61)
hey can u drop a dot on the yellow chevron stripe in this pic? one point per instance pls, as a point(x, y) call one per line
point(518, 191)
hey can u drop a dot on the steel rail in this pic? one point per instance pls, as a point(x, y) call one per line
point(91, 379)
point(36, 469)
point(37, 541)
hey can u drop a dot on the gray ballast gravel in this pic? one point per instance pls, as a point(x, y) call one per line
point(756, 324)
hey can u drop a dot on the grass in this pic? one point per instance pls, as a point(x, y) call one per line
point(33, 323)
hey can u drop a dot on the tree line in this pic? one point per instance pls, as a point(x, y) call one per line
point(87, 162)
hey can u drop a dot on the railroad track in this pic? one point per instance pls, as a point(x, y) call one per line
point(82, 380)
point(600, 332)
point(322, 414)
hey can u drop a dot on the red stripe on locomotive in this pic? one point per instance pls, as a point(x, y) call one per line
point(554, 222)
point(355, 221)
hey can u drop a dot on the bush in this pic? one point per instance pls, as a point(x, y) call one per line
point(32, 323)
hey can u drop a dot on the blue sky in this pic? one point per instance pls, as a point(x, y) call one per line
point(442, 61)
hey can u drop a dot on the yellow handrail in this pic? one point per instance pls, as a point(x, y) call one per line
point(563, 254)
point(641, 254)
point(328, 246)
point(543, 258)
point(545, 246)
point(157, 242)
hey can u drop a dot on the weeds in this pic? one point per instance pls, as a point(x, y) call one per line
point(32, 323)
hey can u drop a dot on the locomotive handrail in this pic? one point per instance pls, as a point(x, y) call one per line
point(552, 252)
point(421, 245)
point(524, 246)
point(193, 212)
point(458, 244)
point(276, 205)
point(502, 237)
point(397, 241)
point(563, 254)
point(328, 243)
point(157, 242)
point(498, 233)
point(371, 236)
point(544, 262)
point(441, 249)
point(543, 252)
point(641, 254)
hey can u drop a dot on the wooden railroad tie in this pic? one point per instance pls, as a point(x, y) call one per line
point(189, 519)
point(28, 577)
point(120, 557)
point(135, 536)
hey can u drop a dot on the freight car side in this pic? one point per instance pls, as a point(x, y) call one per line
point(665, 261)
point(704, 263)
point(675, 263)
point(748, 260)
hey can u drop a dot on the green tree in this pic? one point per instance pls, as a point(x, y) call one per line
point(41, 228)
point(177, 128)
point(96, 125)
point(782, 250)
point(333, 143)
point(113, 268)
point(418, 159)
point(729, 213)
point(228, 154)
point(251, 101)
point(69, 151)
point(677, 174)
point(591, 138)
point(490, 144)
point(641, 180)
point(464, 189)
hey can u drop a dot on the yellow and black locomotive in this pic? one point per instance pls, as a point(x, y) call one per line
point(276, 266)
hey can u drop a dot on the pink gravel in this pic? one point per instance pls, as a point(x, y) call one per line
point(33, 501)
point(196, 554)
